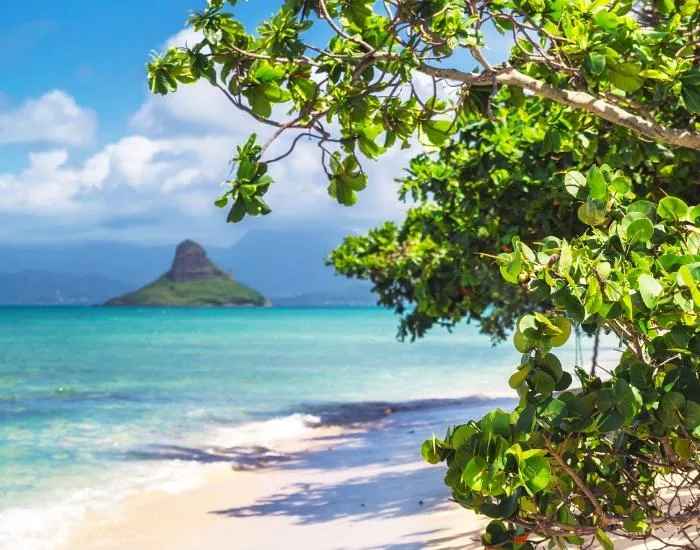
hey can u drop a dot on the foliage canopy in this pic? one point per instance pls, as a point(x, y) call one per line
point(501, 177)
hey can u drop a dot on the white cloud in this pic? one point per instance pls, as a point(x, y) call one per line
point(166, 174)
point(53, 118)
point(49, 188)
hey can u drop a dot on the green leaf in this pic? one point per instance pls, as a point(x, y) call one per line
point(526, 420)
point(625, 401)
point(260, 104)
point(430, 452)
point(596, 62)
point(536, 473)
point(237, 212)
point(694, 214)
point(564, 382)
point(594, 297)
point(575, 183)
point(683, 448)
point(554, 410)
point(687, 279)
point(520, 342)
point(222, 202)
point(672, 208)
point(578, 407)
point(437, 131)
point(592, 212)
point(670, 408)
point(542, 383)
point(527, 326)
point(307, 89)
point(496, 422)
point(275, 94)
point(343, 193)
point(461, 435)
point(620, 185)
point(509, 505)
point(474, 475)
point(646, 208)
point(369, 147)
point(606, 20)
point(625, 76)
point(212, 34)
point(563, 324)
point(565, 258)
point(518, 377)
point(655, 74)
point(512, 268)
point(597, 185)
point(641, 230)
point(649, 289)
point(491, 509)
point(635, 526)
point(691, 98)
point(641, 375)
point(551, 365)
point(267, 73)
point(691, 414)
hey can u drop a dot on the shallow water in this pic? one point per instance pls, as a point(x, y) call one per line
point(95, 403)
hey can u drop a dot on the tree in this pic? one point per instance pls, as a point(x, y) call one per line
point(503, 177)
point(601, 91)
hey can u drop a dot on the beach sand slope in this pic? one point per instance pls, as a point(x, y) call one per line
point(337, 489)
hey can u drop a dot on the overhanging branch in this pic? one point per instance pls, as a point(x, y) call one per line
point(578, 100)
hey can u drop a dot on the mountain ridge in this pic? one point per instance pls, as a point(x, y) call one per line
point(35, 287)
point(276, 262)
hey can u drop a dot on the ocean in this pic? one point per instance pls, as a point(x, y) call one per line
point(100, 403)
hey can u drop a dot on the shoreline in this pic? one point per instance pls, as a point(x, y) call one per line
point(356, 487)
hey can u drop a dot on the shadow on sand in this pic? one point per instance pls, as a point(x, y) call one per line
point(383, 477)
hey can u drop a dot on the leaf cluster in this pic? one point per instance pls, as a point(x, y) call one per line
point(502, 177)
point(571, 464)
point(357, 94)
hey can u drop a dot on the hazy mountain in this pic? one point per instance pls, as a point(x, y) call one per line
point(354, 295)
point(283, 263)
point(130, 263)
point(277, 263)
point(42, 288)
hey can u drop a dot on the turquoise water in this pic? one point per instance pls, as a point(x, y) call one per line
point(93, 401)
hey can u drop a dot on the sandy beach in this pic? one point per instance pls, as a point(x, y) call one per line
point(360, 488)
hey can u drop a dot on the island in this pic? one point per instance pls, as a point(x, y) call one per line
point(193, 281)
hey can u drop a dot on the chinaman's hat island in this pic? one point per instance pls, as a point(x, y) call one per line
point(193, 281)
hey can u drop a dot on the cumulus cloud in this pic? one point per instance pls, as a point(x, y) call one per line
point(48, 187)
point(167, 172)
point(54, 118)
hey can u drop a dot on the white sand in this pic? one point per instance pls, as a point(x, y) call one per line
point(361, 489)
point(336, 489)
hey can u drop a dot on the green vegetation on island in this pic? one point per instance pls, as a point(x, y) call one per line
point(557, 194)
point(192, 281)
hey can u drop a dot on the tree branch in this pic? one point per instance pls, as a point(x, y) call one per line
point(579, 100)
point(581, 485)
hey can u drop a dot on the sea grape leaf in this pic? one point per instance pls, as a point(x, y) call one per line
point(649, 289)
point(518, 377)
point(475, 472)
point(536, 473)
point(672, 208)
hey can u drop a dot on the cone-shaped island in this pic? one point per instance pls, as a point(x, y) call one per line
point(193, 280)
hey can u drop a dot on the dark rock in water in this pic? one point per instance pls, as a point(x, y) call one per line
point(192, 264)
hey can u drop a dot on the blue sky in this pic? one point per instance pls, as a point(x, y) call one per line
point(95, 51)
point(86, 153)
